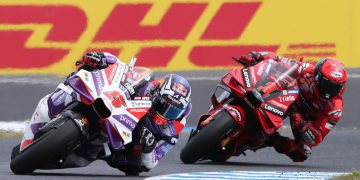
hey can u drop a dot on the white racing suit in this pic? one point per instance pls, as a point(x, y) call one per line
point(128, 159)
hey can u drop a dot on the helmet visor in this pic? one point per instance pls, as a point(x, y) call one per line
point(327, 88)
point(167, 110)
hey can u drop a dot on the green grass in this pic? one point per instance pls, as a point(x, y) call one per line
point(10, 135)
point(352, 176)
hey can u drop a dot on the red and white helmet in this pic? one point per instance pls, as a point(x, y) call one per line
point(330, 77)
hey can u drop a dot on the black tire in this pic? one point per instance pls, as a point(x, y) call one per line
point(218, 155)
point(15, 151)
point(207, 138)
point(48, 146)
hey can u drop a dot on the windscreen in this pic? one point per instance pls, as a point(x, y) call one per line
point(282, 73)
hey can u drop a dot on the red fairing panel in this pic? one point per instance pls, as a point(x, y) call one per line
point(231, 80)
point(281, 90)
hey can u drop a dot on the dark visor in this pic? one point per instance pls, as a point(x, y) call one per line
point(167, 110)
point(328, 89)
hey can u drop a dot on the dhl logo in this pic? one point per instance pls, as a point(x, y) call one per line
point(49, 36)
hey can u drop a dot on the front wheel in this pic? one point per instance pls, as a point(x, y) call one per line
point(48, 146)
point(208, 137)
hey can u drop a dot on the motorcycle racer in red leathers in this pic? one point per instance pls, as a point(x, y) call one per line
point(318, 108)
point(154, 136)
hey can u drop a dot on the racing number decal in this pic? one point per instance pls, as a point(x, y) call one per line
point(116, 98)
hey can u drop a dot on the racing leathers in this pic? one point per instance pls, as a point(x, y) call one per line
point(152, 138)
point(311, 118)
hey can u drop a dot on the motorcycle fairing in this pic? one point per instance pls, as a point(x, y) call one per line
point(113, 85)
point(277, 101)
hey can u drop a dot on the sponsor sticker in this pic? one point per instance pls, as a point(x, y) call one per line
point(336, 113)
point(126, 92)
point(111, 72)
point(287, 98)
point(330, 124)
point(125, 134)
point(274, 109)
point(126, 121)
point(116, 98)
point(140, 103)
point(235, 113)
point(293, 91)
point(98, 80)
point(336, 74)
point(261, 69)
point(129, 88)
point(179, 88)
point(246, 76)
point(138, 110)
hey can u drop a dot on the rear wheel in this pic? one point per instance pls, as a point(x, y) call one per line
point(15, 151)
point(47, 147)
point(207, 138)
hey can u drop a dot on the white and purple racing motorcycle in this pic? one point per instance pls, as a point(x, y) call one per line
point(107, 105)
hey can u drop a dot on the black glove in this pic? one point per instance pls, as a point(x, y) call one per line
point(147, 139)
point(301, 154)
point(95, 60)
point(251, 59)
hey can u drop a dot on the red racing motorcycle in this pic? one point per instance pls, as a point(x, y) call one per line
point(248, 106)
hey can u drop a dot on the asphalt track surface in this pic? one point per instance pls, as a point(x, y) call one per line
point(338, 153)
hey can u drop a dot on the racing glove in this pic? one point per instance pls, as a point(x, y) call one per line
point(309, 134)
point(304, 130)
point(301, 153)
point(296, 151)
point(147, 139)
point(95, 60)
point(251, 59)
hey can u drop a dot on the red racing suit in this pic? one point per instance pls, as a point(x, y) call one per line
point(313, 118)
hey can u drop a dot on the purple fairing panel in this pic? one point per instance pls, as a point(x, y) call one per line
point(98, 81)
point(36, 126)
point(127, 121)
point(76, 84)
point(114, 137)
point(58, 101)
